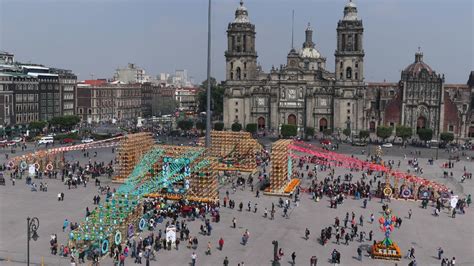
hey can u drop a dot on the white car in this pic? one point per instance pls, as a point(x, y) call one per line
point(46, 140)
point(88, 140)
point(387, 145)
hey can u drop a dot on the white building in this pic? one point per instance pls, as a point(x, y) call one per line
point(131, 74)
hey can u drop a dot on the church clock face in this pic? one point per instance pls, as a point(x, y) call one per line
point(292, 94)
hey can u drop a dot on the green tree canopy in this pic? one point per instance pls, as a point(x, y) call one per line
point(309, 132)
point(219, 126)
point(288, 130)
point(446, 136)
point(327, 132)
point(384, 132)
point(364, 134)
point(65, 122)
point(425, 134)
point(236, 127)
point(403, 132)
point(185, 124)
point(37, 125)
point(200, 125)
point(346, 132)
point(252, 128)
point(217, 98)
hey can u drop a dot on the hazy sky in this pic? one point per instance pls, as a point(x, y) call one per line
point(97, 36)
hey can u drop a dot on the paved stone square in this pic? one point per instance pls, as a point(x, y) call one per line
point(423, 231)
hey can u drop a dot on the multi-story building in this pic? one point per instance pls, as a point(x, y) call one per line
point(187, 99)
point(6, 58)
point(305, 94)
point(67, 89)
point(100, 101)
point(6, 100)
point(20, 98)
point(131, 74)
point(164, 101)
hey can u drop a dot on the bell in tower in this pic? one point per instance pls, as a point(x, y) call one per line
point(241, 57)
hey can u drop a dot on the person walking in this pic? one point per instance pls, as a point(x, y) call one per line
point(293, 258)
point(65, 224)
point(234, 221)
point(440, 253)
point(226, 261)
point(306, 233)
point(221, 243)
point(193, 259)
point(359, 253)
point(409, 213)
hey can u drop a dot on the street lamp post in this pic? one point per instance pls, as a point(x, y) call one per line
point(208, 109)
point(32, 225)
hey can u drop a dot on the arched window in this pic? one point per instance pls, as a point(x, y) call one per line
point(231, 75)
point(238, 73)
point(348, 72)
point(356, 75)
point(306, 65)
point(341, 65)
point(245, 65)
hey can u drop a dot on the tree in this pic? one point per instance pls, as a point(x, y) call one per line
point(384, 132)
point(65, 122)
point(364, 134)
point(327, 132)
point(185, 124)
point(288, 130)
point(200, 125)
point(217, 98)
point(308, 132)
point(236, 127)
point(446, 137)
point(252, 128)
point(37, 125)
point(425, 134)
point(219, 126)
point(403, 132)
point(346, 132)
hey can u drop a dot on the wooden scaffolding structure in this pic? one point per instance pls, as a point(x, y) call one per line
point(279, 176)
point(235, 151)
point(131, 149)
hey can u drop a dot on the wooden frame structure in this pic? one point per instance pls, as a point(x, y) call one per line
point(281, 169)
point(131, 149)
point(235, 150)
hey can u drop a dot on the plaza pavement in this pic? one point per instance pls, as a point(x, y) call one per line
point(424, 232)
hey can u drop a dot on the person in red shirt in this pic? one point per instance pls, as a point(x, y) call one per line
point(221, 243)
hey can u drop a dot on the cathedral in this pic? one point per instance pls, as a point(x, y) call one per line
point(304, 93)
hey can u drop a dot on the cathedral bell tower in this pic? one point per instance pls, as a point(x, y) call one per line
point(349, 85)
point(241, 57)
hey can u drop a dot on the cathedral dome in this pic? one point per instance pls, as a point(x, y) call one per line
point(241, 14)
point(418, 65)
point(350, 11)
point(309, 52)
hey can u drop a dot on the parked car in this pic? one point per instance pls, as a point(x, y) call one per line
point(67, 141)
point(46, 140)
point(387, 145)
point(87, 140)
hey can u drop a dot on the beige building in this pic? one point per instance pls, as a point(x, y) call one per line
point(100, 101)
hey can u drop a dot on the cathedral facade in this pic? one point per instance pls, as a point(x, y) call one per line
point(304, 93)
